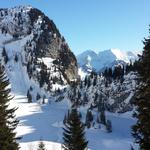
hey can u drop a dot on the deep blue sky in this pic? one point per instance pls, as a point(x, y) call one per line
point(96, 24)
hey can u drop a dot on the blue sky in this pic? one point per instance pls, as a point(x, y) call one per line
point(96, 24)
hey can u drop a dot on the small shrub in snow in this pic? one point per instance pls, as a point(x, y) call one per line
point(103, 117)
point(41, 146)
point(29, 97)
point(108, 126)
point(16, 58)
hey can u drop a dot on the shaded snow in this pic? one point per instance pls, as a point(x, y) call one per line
point(45, 122)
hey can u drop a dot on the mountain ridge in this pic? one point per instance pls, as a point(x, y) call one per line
point(105, 58)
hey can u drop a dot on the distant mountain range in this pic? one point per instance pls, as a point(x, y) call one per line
point(90, 60)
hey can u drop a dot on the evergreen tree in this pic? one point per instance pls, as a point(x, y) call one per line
point(103, 117)
point(88, 82)
point(43, 101)
point(16, 58)
point(5, 56)
point(49, 86)
point(95, 80)
point(108, 126)
point(81, 84)
point(7, 118)
point(131, 148)
point(79, 95)
point(96, 97)
point(141, 130)
point(85, 98)
point(85, 80)
point(29, 97)
point(65, 119)
point(100, 106)
point(89, 118)
point(110, 72)
point(73, 135)
point(38, 96)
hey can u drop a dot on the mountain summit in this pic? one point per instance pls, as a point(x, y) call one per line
point(106, 58)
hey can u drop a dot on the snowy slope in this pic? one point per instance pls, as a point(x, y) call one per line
point(44, 122)
point(104, 58)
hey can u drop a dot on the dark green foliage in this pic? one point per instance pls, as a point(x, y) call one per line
point(106, 83)
point(89, 118)
point(43, 101)
point(29, 69)
point(65, 119)
point(108, 74)
point(73, 135)
point(31, 88)
point(41, 146)
point(97, 119)
point(141, 130)
point(95, 80)
point(49, 86)
point(16, 58)
point(108, 126)
point(103, 117)
point(81, 84)
point(85, 81)
point(61, 80)
point(38, 96)
point(100, 106)
point(5, 56)
point(44, 75)
point(96, 97)
point(85, 98)
point(29, 97)
point(118, 72)
point(7, 118)
point(89, 82)
point(128, 68)
point(132, 147)
point(93, 74)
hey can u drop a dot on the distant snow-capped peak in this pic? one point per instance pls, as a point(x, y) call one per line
point(120, 55)
point(106, 58)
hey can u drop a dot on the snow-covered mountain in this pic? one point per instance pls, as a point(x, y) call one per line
point(90, 60)
point(33, 50)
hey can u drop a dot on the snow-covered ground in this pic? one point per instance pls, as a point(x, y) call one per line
point(45, 122)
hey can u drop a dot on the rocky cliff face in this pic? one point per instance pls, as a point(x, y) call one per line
point(34, 40)
point(54, 45)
